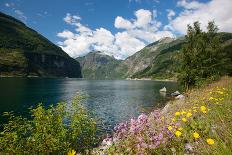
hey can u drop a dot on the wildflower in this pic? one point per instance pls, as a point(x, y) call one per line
point(183, 112)
point(184, 119)
point(189, 114)
point(73, 152)
point(211, 98)
point(203, 108)
point(210, 141)
point(180, 128)
point(162, 118)
point(196, 135)
point(204, 112)
point(170, 128)
point(177, 113)
point(178, 133)
point(174, 120)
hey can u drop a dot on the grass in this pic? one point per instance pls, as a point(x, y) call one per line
point(216, 123)
point(199, 124)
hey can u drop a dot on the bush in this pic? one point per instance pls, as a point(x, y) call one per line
point(54, 130)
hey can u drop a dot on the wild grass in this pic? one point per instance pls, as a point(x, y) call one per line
point(199, 124)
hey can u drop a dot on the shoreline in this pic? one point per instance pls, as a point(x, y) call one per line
point(150, 79)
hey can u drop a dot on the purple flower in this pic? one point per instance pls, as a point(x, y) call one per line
point(142, 119)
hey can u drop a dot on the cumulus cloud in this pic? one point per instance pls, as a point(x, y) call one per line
point(65, 34)
point(120, 22)
point(189, 4)
point(170, 14)
point(136, 34)
point(144, 17)
point(217, 10)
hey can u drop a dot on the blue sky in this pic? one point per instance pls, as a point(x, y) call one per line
point(116, 27)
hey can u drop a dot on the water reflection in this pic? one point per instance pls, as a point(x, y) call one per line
point(110, 102)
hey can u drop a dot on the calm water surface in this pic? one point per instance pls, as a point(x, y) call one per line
point(109, 101)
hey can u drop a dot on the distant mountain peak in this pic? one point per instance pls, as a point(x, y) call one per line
point(166, 40)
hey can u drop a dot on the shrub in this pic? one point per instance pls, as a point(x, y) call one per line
point(54, 130)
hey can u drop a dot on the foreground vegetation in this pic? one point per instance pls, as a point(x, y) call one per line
point(55, 130)
point(200, 124)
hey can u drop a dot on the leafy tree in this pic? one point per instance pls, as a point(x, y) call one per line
point(201, 58)
point(55, 130)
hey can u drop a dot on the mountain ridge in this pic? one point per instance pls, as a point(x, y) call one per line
point(157, 60)
point(24, 52)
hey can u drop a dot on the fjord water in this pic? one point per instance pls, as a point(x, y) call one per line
point(108, 101)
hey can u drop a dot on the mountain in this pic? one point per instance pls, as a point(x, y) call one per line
point(157, 60)
point(96, 65)
point(24, 52)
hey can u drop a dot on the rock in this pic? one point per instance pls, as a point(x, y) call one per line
point(176, 93)
point(164, 94)
point(163, 89)
point(180, 97)
point(188, 148)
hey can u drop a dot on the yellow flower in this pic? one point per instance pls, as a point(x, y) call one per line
point(174, 120)
point(194, 110)
point(210, 141)
point(178, 133)
point(180, 128)
point(211, 98)
point(189, 114)
point(177, 113)
point(203, 108)
point(204, 111)
point(169, 127)
point(183, 112)
point(184, 119)
point(73, 152)
point(196, 135)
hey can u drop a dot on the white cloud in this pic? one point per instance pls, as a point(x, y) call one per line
point(136, 34)
point(122, 23)
point(18, 12)
point(65, 34)
point(144, 17)
point(170, 14)
point(7, 4)
point(217, 10)
point(127, 44)
point(71, 19)
point(20, 15)
point(189, 5)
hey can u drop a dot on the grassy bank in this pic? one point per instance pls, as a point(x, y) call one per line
point(199, 124)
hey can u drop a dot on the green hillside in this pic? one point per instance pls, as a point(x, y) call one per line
point(157, 61)
point(24, 52)
point(96, 65)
